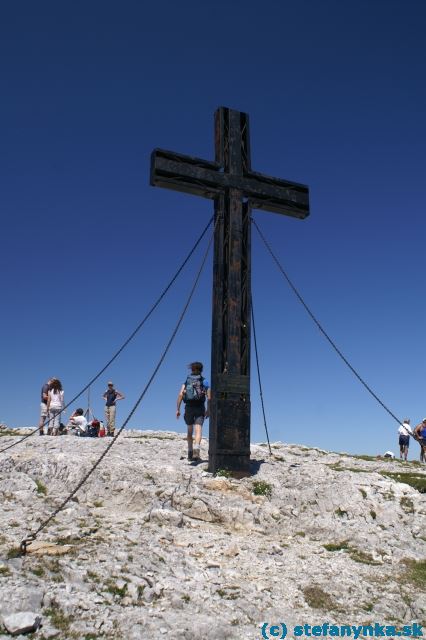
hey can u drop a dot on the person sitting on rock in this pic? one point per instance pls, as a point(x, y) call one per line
point(93, 428)
point(389, 454)
point(420, 435)
point(78, 423)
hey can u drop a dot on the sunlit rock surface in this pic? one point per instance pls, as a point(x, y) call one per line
point(153, 546)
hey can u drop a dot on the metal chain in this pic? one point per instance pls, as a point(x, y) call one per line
point(325, 334)
point(258, 376)
point(124, 345)
point(24, 544)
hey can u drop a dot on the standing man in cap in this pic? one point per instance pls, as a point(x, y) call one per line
point(111, 396)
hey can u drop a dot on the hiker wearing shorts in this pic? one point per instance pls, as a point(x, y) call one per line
point(404, 432)
point(420, 434)
point(194, 392)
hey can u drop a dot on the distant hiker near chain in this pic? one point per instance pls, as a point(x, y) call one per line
point(111, 396)
point(194, 393)
point(43, 406)
point(405, 431)
point(420, 433)
point(55, 405)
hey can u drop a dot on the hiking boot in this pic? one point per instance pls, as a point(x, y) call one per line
point(190, 455)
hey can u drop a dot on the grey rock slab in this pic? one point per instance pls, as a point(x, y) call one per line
point(19, 597)
point(21, 622)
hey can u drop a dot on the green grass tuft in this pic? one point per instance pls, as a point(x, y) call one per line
point(223, 473)
point(362, 557)
point(337, 546)
point(115, 590)
point(41, 488)
point(336, 466)
point(407, 504)
point(262, 488)
point(317, 598)
point(415, 572)
point(58, 618)
point(415, 480)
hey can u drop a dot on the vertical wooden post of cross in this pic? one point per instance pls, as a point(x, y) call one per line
point(235, 189)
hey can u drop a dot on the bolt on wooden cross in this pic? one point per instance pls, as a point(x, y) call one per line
point(235, 189)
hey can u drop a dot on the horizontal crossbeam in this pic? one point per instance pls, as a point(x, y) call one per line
point(200, 177)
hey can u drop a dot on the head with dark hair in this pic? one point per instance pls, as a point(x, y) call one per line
point(79, 412)
point(56, 385)
point(196, 367)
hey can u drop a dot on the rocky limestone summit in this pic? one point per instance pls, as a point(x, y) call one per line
point(153, 546)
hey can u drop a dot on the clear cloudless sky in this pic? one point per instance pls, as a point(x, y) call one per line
point(336, 95)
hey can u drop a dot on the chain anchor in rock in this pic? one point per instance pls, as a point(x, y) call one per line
point(26, 543)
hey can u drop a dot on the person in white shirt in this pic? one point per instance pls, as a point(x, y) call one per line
point(55, 405)
point(78, 423)
point(404, 432)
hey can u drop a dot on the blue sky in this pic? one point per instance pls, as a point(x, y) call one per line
point(336, 97)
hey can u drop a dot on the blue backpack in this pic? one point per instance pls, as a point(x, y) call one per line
point(195, 390)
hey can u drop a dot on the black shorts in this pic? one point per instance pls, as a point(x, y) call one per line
point(404, 441)
point(194, 414)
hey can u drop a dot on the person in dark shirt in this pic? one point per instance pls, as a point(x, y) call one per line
point(420, 435)
point(194, 392)
point(43, 406)
point(111, 396)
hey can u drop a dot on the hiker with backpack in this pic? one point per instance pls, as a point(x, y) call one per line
point(93, 428)
point(194, 393)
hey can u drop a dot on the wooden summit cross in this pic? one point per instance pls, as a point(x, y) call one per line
point(235, 189)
